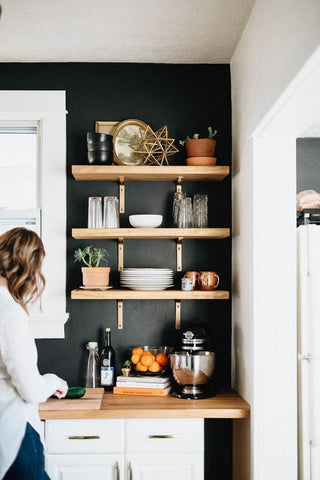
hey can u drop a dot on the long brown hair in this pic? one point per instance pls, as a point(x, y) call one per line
point(21, 256)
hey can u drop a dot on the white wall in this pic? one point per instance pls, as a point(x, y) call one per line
point(265, 71)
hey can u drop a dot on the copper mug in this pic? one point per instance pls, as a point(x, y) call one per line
point(208, 280)
point(194, 277)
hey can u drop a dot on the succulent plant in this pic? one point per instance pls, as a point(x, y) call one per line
point(196, 136)
point(91, 256)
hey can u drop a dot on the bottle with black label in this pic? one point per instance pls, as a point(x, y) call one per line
point(107, 362)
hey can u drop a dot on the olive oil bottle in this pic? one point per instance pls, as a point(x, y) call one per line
point(108, 362)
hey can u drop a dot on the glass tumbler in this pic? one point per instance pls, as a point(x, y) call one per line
point(111, 212)
point(95, 212)
point(200, 210)
point(177, 202)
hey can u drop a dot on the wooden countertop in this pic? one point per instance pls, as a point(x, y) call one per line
point(225, 405)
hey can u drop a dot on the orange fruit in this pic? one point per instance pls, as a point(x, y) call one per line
point(154, 367)
point(137, 350)
point(135, 358)
point(162, 359)
point(147, 360)
point(147, 352)
point(141, 368)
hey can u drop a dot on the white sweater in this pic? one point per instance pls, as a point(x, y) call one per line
point(21, 385)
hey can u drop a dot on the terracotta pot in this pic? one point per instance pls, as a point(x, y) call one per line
point(201, 161)
point(201, 147)
point(95, 277)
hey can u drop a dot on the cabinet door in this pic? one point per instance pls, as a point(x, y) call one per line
point(165, 466)
point(85, 467)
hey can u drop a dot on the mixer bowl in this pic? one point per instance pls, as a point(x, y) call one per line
point(192, 368)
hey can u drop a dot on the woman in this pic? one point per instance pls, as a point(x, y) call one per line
point(21, 385)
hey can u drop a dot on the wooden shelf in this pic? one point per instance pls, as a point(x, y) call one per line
point(148, 173)
point(225, 405)
point(149, 233)
point(123, 294)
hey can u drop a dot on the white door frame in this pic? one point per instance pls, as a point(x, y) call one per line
point(273, 322)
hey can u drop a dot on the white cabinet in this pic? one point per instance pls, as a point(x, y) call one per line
point(170, 466)
point(85, 467)
point(132, 449)
point(85, 449)
point(165, 448)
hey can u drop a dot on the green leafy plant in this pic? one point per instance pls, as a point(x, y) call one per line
point(91, 256)
point(196, 136)
point(126, 364)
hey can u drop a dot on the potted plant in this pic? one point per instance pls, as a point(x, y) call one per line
point(126, 368)
point(92, 274)
point(200, 147)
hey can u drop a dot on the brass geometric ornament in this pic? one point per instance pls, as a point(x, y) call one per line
point(155, 147)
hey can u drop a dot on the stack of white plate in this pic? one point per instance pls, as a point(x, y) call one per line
point(146, 278)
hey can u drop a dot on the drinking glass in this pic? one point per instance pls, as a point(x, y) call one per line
point(200, 210)
point(189, 213)
point(178, 199)
point(95, 212)
point(111, 212)
point(185, 213)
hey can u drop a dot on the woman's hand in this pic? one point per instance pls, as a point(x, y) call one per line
point(62, 391)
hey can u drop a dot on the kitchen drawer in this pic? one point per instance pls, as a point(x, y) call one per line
point(164, 435)
point(85, 436)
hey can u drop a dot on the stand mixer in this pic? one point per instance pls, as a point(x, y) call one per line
point(193, 366)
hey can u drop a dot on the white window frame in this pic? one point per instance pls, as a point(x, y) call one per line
point(48, 108)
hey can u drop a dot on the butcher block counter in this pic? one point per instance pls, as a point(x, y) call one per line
point(224, 405)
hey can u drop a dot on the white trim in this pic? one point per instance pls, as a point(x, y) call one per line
point(48, 325)
point(48, 109)
point(32, 100)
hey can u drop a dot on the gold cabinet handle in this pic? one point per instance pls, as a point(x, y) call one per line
point(130, 471)
point(117, 471)
point(162, 436)
point(84, 437)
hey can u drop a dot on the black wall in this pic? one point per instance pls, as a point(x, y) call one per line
point(187, 98)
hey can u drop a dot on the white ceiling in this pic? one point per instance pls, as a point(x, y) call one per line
point(158, 31)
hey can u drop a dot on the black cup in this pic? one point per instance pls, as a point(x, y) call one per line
point(100, 146)
point(98, 137)
point(100, 156)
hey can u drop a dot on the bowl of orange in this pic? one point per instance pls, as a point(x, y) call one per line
point(147, 360)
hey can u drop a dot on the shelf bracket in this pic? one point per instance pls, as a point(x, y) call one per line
point(121, 195)
point(178, 315)
point(120, 254)
point(120, 314)
point(179, 254)
point(179, 185)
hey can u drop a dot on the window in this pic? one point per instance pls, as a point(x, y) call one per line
point(33, 192)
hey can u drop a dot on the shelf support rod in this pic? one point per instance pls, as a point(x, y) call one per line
point(179, 254)
point(179, 185)
point(120, 314)
point(121, 195)
point(178, 315)
point(120, 254)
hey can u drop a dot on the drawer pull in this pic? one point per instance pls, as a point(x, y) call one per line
point(84, 437)
point(162, 436)
point(130, 471)
point(117, 471)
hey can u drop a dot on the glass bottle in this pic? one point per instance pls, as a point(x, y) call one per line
point(93, 372)
point(108, 358)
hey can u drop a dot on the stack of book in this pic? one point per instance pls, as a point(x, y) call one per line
point(146, 386)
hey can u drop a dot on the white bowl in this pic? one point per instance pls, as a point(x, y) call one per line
point(145, 221)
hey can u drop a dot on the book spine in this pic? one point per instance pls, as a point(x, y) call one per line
point(144, 380)
point(145, 392)
point(143, 385)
